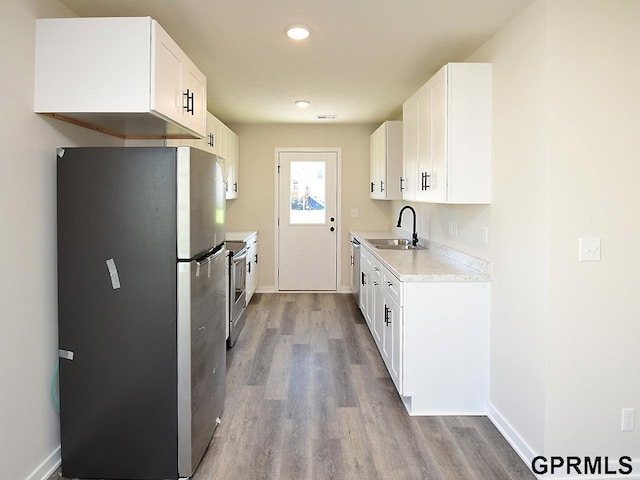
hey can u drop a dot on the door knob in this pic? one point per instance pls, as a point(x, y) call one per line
point(332, 229)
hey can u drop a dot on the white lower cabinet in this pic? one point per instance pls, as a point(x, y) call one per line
point(433, 338)
point(366, 287)
point(377, 301)
point(252, 266)
point(383, 312)
point(392, 327)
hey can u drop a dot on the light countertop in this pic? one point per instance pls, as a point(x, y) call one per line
point(436, 263)
point(240, 236)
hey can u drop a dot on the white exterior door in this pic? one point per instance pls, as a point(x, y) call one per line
point(307, 222)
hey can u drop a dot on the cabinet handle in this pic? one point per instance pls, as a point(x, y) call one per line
point(235, 187)
point(401, 184)
point(212, 140)
point(351, 259)
point(372, 187)
point(381, 186)
point(332, 229)
point(256, 258)
point(389, 284)
point(363, 278)
point(425, 181)
point(249, 267)
point(375, 284)
point(376, 269)
point(189, 98)
point(387, 320)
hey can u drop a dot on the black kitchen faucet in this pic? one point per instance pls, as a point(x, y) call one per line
point(414, 237)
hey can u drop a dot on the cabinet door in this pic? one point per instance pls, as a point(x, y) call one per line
point(392, 344)
point(410, 147)
point(377, 160)
point(252, 268)
point(366, 288)
point(436, 165)
point(393, 161)
point(195, 102)
point(168, 73)
point(378, 306)
point(423, 156)
point(231, 146)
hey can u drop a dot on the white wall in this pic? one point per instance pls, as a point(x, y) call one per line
point(29, 432)
point(594, 157)
point(564, 352)
point(519, 224)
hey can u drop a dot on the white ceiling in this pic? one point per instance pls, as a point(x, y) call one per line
point(362, 60)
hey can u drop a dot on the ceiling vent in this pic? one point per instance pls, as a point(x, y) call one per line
point(326, 117)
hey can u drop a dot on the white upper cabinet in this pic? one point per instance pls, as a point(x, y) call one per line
point(230, 143)
point(447, 137)
point(223, 142)
point(123, 76)
point(178, 87)
point(385, 150)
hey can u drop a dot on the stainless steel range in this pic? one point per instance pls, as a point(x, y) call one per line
point(237, 288)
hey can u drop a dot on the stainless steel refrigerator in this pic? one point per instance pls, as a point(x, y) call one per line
point(141, 310)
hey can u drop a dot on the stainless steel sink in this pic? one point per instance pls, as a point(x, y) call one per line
point(397, 247)
point(393, 244)
point(389, 241)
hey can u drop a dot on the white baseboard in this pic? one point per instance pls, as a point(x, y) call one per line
point(273, 289)
point(46, 468)
point(527, 454)
point(522, 448)
point(267, 289)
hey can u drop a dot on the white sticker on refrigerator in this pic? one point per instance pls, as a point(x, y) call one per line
point(113, 273)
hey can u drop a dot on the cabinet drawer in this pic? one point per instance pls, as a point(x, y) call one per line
point(392, 286)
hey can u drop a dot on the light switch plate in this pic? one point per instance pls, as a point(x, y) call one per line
point(354, 212)
point(589, 249)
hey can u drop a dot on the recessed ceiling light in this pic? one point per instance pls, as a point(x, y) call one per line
point(298, 32)
point(303, 103)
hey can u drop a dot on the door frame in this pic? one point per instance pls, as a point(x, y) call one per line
point(276, 205)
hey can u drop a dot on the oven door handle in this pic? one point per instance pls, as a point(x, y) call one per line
point(238, 258)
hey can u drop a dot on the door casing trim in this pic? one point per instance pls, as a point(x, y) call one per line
point(338, 152)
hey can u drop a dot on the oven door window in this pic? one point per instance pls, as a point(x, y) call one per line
point(240, 277)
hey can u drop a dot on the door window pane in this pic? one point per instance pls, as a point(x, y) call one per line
point(308, 193)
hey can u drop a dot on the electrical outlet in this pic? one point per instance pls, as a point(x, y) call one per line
point(453, 229)
point(628, 419)
point(354, 212)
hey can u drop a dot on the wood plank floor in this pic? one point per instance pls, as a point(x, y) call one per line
point(309, 397)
